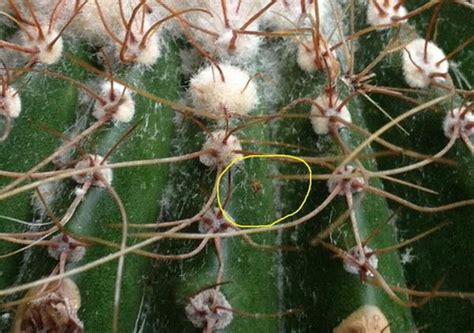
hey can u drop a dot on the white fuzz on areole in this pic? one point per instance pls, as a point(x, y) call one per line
point(10, 102)
point(311, 61)
point(224, 152)
point(366, 319)
point(286, 15)
point(385, 12)
point(44, 10)
point(420, 72)
point(348, 184)
point(321, 120)
point(201, 309)
point(146, 53)
point(406, 257)
point(65, 244)
point(98, 178)
point(367, 256)
point(238, 13)
point(118, 100)
point(237, 94)
point(214, 222)
point(88, 25)
point(246, 46)
point(47, 52)
point(453, 120)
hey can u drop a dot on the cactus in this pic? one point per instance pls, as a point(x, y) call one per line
point(155, 160)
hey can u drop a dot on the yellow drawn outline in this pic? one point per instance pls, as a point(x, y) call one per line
point(241, 158)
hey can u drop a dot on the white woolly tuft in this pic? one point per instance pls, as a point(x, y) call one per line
point(43, 10)
point(119, 100)
point(406, 257)
point(47, 13)
point(46, 54)
point(353, 268)
point(238, 13)
point(321, 121)
point(224, 152)
point(453, 120)
point(10, 103)
point(418, 72)
point(390, 13)
point(237, 94)
point(146, 53)
point(149, 54)
point(285, 15)
point(200, 309)
point(311, 61)
point(88, 25)
point(99, 177)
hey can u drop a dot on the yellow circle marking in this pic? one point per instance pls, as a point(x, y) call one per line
point(237, 159)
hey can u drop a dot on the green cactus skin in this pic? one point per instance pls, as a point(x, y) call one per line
point(54, 107)
point(436, 257)
point(139, 188)
point(164, 303)
point(250, 274)
point(310, 275)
